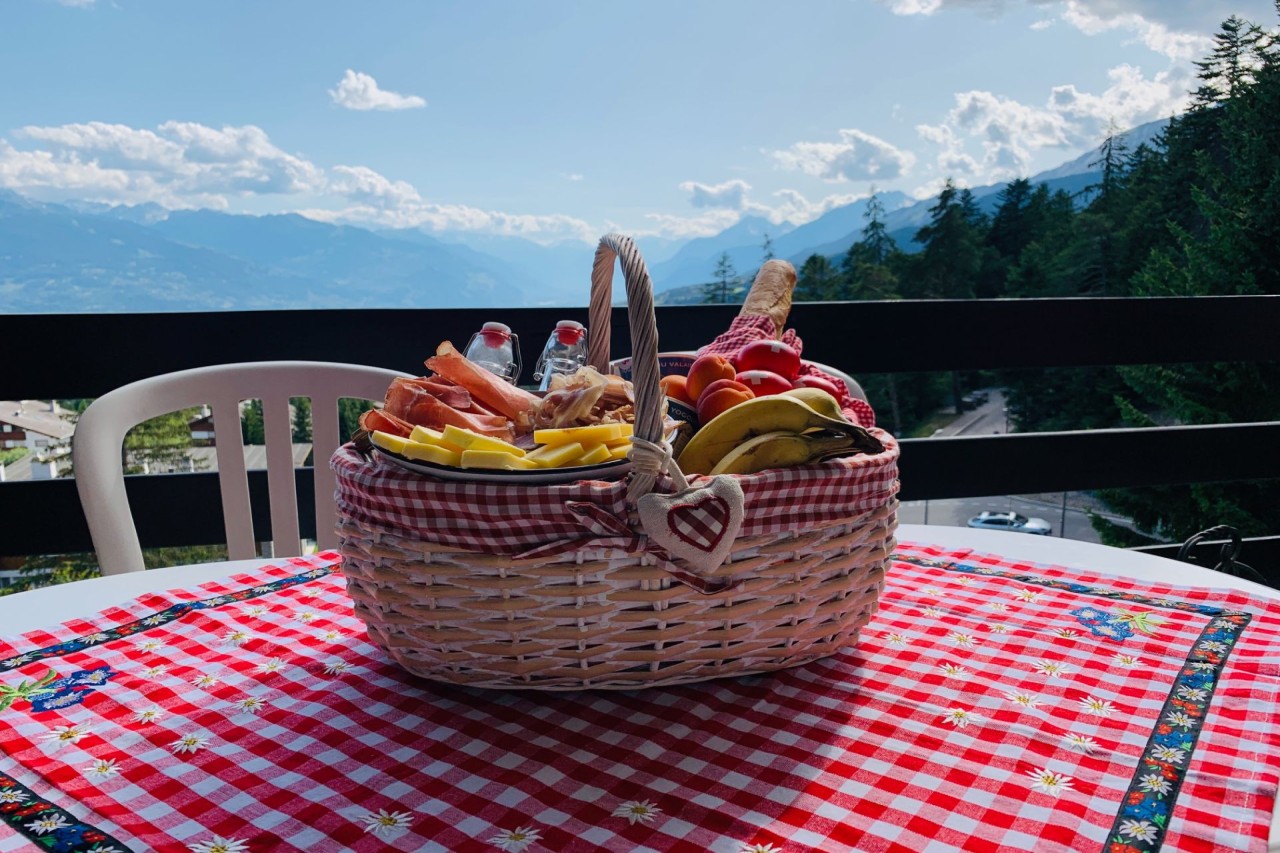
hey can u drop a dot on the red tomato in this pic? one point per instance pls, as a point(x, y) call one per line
point(835, 389)
point(763, 382)
point(773, 356)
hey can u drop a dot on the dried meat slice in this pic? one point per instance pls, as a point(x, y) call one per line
point(491, 391)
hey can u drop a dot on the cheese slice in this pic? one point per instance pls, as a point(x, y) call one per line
point(431, 453)
point(495, 459)
point(586, 435)
point(593, 455)
point(555, 455)
point(388, 442)
point(426, 435)
point(468, 440)
point(619, 452)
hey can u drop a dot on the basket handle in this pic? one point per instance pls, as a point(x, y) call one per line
point(644, 341)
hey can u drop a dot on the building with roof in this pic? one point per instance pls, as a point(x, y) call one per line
point(37, 425)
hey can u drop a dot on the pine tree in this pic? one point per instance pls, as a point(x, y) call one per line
point(162, 443)
point(865, 267)
point(253, 429)
point(1231, 64)
point(947, 266)
point(301, 419)
point(723, 281)
point(817, 281)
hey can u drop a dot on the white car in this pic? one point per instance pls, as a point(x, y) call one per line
point(1010, 521)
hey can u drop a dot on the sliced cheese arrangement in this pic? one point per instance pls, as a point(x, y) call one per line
point(457, 447)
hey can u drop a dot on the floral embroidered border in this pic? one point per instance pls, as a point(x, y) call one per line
point(47, 826)
point(162, 617)
point(1143, 819)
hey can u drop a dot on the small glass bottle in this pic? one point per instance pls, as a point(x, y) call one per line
point(565, 352)
point(497, 349)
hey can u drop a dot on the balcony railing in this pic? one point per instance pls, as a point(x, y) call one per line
point(68, 356)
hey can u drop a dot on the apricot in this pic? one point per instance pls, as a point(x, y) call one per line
point(716, 401)
point(705, 370)
point(675, 387)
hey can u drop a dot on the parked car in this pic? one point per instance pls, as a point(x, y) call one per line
point(1010, 521)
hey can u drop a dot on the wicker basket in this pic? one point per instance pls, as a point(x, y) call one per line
point(605, 611)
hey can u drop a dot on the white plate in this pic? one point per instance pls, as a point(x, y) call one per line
point(534, 477)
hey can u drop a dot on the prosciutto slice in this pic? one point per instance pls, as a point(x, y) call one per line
point(493, 393)
point(413, 401)
point(403, 394)
point(385, 422)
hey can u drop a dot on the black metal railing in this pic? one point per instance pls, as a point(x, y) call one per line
point(67, 356)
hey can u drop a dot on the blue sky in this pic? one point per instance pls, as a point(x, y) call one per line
point(557, 120)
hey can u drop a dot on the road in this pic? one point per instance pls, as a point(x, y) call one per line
point(1068, 514)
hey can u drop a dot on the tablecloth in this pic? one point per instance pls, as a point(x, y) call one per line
point(989, 705)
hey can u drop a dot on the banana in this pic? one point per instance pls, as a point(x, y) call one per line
point(774, 413)
point(818, 400)
point(783, 449)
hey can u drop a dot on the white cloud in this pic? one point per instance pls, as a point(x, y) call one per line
point(365, 186)
point(989, 138)
point(573, 176)
point(78, 4)
point(182, 165)
point(357, 91)
point(367, 197)
point(730, 194)
point(1179, 29)
point(1009, 133)
point(857, 156)
point(729, 201)
point(1132, 99)
point(687, 227)
point(178, 165)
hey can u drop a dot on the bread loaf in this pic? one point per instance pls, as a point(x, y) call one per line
point(770, 294)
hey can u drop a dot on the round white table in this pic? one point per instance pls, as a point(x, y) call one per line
point(26, 611)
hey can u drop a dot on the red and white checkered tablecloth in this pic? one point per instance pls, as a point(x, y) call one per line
point(989, 705)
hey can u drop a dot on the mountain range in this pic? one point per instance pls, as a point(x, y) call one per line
point(86, 257)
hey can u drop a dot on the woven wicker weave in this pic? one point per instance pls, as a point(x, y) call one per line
point(608, 618)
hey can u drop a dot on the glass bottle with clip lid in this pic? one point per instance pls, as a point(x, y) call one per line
point(565, 352)
point(497, 349)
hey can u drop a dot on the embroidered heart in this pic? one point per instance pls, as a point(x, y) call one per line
point(697, 525)
point(701, 524)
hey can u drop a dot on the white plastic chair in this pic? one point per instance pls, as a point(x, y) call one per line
point(100, 433)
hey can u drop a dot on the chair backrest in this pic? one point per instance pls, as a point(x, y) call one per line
point(100, 433)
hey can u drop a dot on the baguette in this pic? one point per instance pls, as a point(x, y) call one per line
point(770, 294)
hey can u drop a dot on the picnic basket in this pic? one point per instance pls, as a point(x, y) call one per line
point(557, 587)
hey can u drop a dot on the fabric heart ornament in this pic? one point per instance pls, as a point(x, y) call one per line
point(697, 524)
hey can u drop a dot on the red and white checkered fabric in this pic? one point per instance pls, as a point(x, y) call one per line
point(519, 520)
point(745, 329)
point(981, 710)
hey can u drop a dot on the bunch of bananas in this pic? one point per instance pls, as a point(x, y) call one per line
point(792, 428)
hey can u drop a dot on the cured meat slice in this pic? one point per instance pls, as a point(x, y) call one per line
point(492, 392)
point(385, 422)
